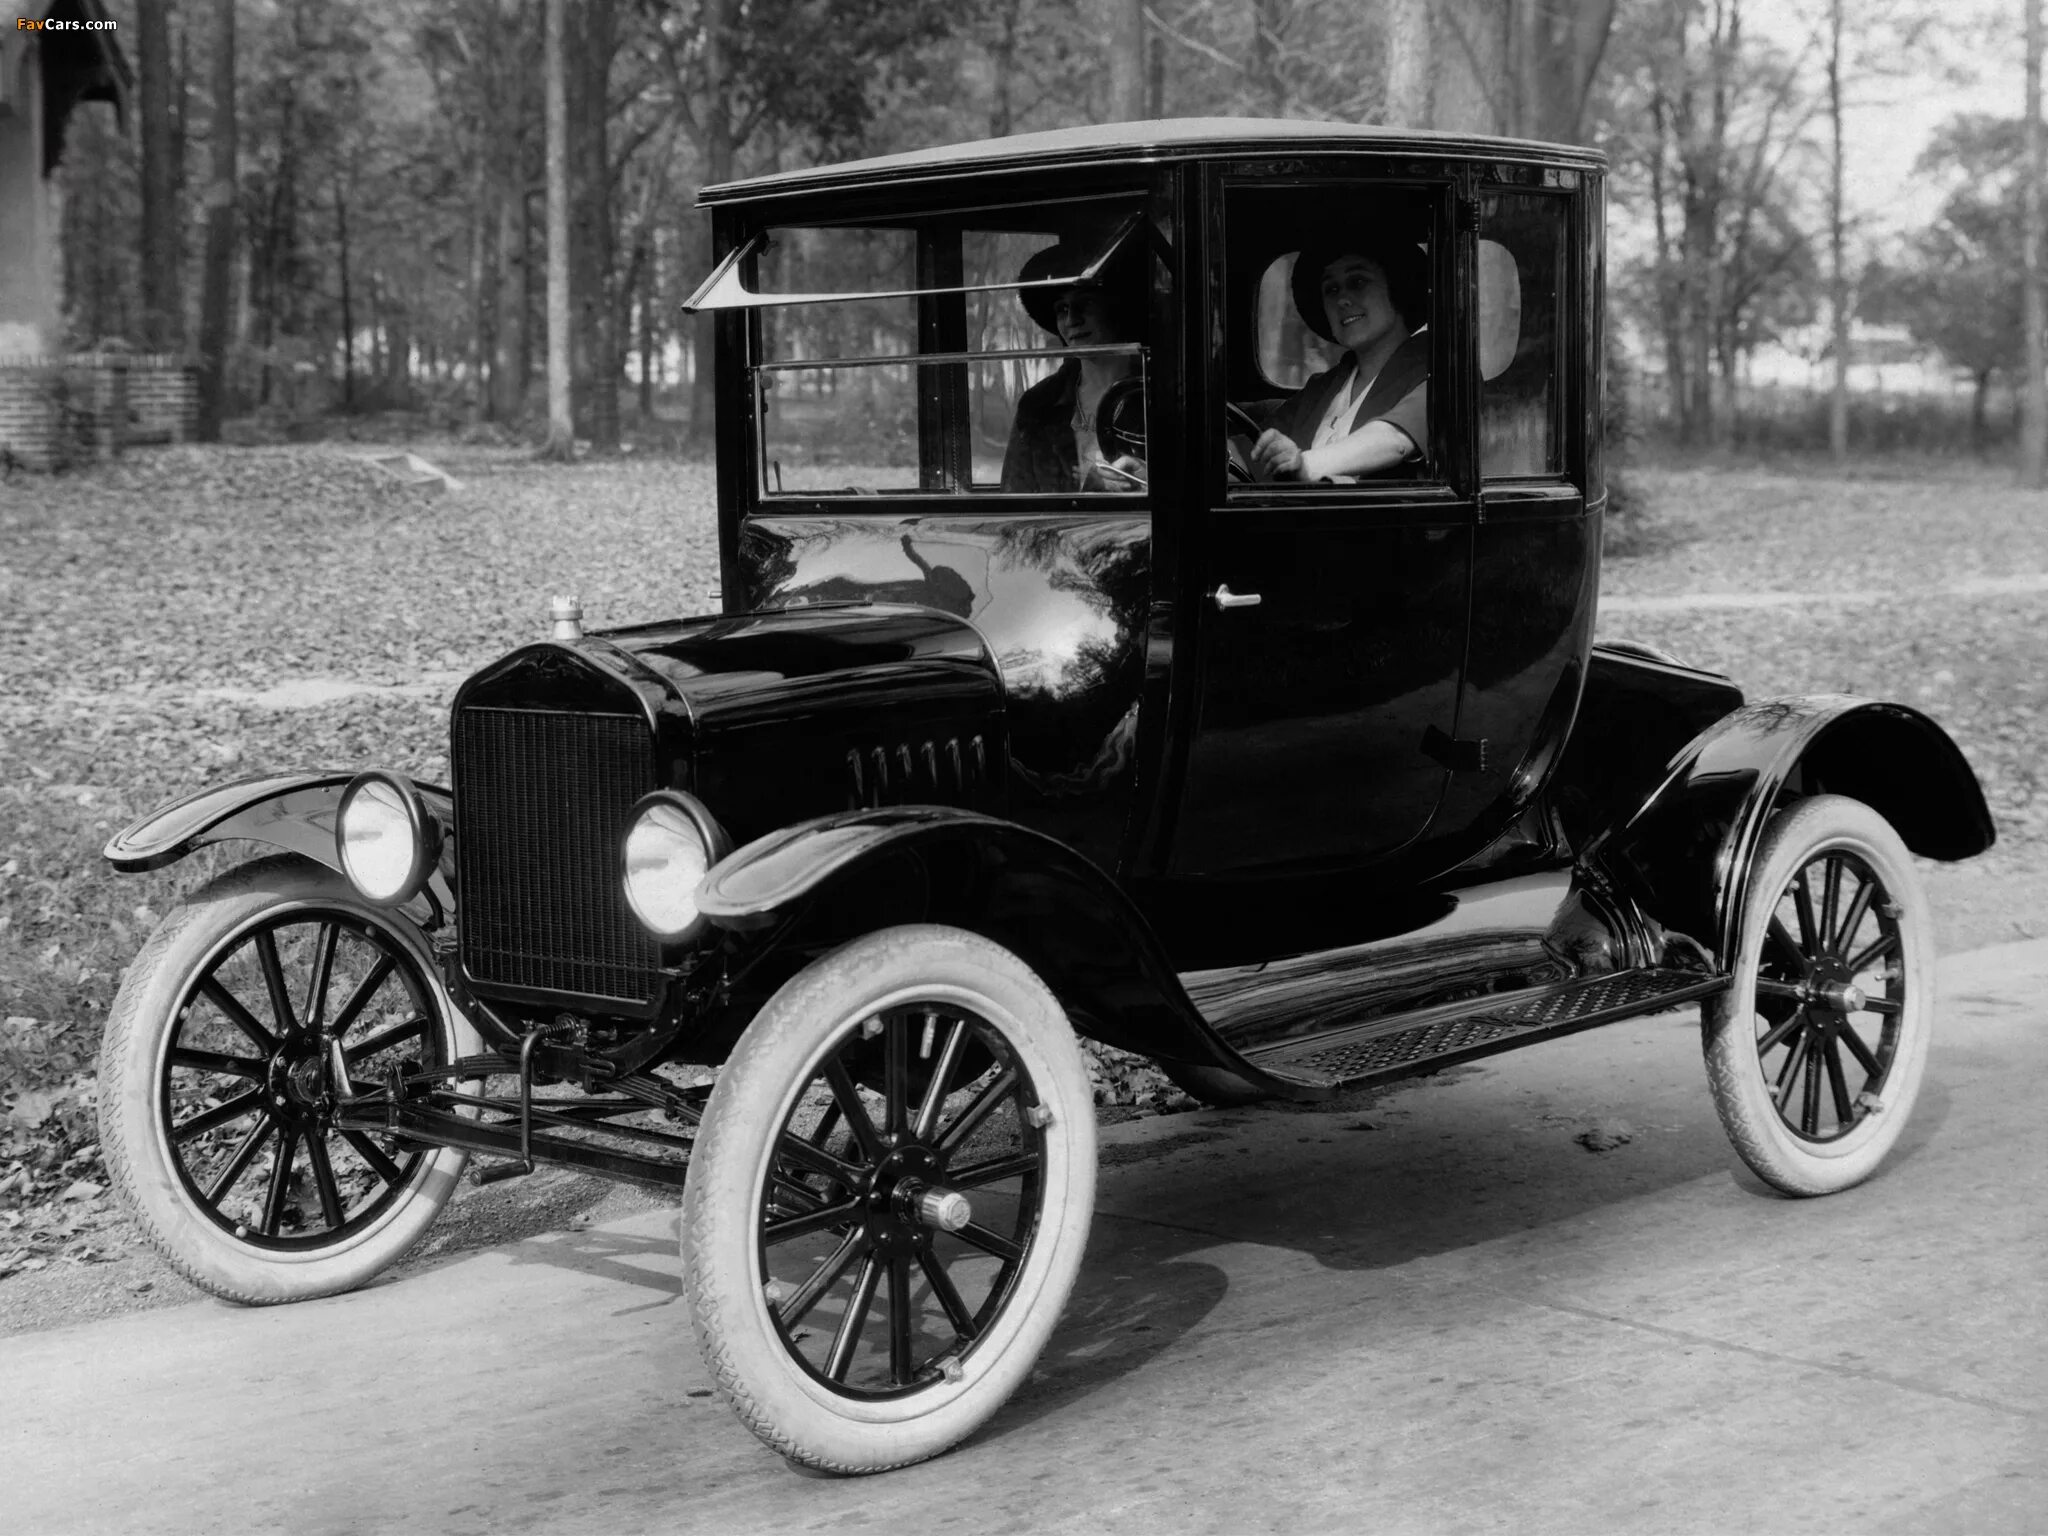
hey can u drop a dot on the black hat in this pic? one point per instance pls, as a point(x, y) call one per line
point(1118, 279)
point(1405, 266)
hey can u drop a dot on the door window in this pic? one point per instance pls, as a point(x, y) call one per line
point(1328, 347)
point(1521, 273)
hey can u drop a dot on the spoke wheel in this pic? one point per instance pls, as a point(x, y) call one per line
point(1816, 1053)
point(252, 1011)
point(889, 1198)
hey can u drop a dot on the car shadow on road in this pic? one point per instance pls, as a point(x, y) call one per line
point(1367, 1194)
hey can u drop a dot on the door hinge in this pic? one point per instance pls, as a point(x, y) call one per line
point(1458, 756)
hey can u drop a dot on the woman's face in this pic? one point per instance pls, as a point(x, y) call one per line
point(1085, 318)
point(1356, 304)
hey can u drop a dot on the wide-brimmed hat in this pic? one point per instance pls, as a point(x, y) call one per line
point(1119, 279)
point(1405, 266)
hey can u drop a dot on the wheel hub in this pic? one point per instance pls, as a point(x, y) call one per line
point(905, 1201)
point(298, 1077)
point(1829, 984)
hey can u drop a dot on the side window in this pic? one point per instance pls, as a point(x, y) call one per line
point(999, 352)
point(1328, 344)
point(1521, 269)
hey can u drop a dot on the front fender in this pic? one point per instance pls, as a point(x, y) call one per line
point(1685, 853)
point(1025, 891)
point(292, 811)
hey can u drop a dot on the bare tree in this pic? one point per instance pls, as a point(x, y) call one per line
point(1524, 67)
point(214, 293)
point(561, 443)
point(2033, 469)
point(163, 300)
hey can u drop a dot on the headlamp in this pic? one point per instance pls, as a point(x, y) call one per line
point(385, 837)
point(671, 842)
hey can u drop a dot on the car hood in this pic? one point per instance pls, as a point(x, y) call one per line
point(796, 711)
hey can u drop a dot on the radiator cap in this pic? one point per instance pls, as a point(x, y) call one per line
point(566, 613)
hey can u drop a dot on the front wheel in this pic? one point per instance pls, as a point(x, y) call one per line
point(1816, 1052)
point(218, 1084)
point(889, 1198)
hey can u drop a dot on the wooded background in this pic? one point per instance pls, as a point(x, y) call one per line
point(341, 206)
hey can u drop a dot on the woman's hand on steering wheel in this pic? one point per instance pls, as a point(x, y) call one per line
point(1238, 423)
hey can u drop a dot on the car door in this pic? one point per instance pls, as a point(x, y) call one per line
point(1535, 547)
point(1331, 618)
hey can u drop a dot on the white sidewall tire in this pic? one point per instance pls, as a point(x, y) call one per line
point(791, 1410)
point(133, 1135)
point(1782, 1159)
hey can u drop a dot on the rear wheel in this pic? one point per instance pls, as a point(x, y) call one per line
point(889, 1198)
point(1816, 1052)
point(218, 1084)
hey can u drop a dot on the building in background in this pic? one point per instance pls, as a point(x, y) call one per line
point(53, 401)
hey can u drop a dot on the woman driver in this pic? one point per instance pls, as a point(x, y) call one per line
point(1052, 440)
point(1370, 412)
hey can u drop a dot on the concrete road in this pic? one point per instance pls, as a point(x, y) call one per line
point(1435, 1313)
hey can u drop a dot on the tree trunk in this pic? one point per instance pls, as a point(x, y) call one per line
point(348, 319)
point(1408, 64)
point(1269, 86)
point(592, 259)
point(398, 359)
point(1472, 59)
point(1002, 67)
point(648, 297)
point(561, 443)
point(2033, 467)
point(214, 302)
point(716, 149)
point(1126, 60)
point(163, 303)
point(1562, 46)
point(484, 285)
point(509, 361)
point(1981, 385)
point(1838, 275)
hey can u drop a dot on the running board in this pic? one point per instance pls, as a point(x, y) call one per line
point(1422, 1041)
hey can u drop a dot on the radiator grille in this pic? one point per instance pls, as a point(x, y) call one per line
point(541, 801)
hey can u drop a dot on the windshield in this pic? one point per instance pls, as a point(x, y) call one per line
point(971, 354)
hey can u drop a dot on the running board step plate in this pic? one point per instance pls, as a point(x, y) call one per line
point(1402, 1046)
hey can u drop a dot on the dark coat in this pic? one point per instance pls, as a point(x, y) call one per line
point(1406, 373)
point(1041, 454)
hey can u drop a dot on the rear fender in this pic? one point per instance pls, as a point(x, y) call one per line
point(292, 811)
point(1685, 853)
point(1030, 893)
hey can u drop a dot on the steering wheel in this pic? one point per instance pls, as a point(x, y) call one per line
point(1237, 466)
point(1120, 421)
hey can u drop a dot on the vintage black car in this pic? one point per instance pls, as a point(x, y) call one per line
point(1079, 673)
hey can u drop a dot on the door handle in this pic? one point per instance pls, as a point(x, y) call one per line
point(1223, 597)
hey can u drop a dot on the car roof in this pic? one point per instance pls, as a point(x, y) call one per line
point(1157, 139)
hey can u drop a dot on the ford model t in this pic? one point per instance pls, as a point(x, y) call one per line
point(1160, 567)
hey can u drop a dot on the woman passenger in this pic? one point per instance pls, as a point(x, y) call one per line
point(1052, 439)
point(1370, 412)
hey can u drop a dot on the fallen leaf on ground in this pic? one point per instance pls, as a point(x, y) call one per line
point(1604, 1138)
